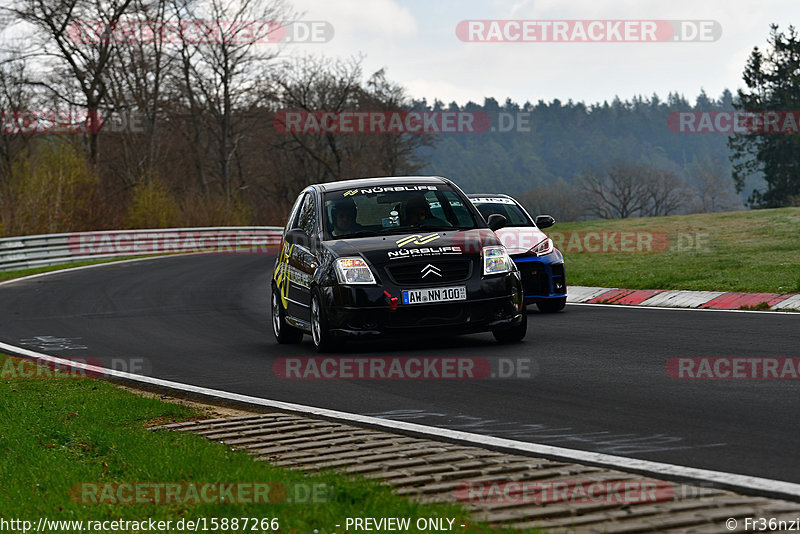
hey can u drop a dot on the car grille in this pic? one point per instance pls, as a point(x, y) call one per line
point(534, 278)
point(410, 274)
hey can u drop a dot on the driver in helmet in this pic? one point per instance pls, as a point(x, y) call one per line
point(344, 214)
point(418, 213)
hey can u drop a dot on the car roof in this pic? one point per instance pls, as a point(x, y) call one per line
point(490, 195)
point(378, 181)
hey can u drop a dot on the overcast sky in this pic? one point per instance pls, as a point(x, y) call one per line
point(415, 40)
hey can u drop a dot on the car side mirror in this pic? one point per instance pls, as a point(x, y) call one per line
point(294, 234)
point(298, 236)
point(496, 221)
point(545, 221)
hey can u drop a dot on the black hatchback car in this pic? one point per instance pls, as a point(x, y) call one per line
point(380, 256)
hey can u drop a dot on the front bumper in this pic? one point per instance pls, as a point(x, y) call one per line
point(368, 310)
point(543, 277)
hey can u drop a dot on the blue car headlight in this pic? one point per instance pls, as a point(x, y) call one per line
point(543, 248)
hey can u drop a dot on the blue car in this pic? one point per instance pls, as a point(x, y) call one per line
point(540, 263)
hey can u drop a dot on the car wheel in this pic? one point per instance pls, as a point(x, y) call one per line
point(284, 332)
point(514, 333)
point(320, 334)
point(552, 305)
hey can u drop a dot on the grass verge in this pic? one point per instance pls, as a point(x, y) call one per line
point(61, 432)
point(11, 275)
point(748, 251)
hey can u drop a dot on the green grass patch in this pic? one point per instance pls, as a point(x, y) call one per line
point(59, 433)
point(748, 251)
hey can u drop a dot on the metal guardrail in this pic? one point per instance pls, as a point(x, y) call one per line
point(25, 252)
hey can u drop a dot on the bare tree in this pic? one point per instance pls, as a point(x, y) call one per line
point(712, 187)
point(398, 152)
point(220, 78)
point(205, 107)
point(559, 199)
point(77, 65)
point(664, 192)
point(137, 95)
point(314, 85)
point(616, 191)
point(14, 95)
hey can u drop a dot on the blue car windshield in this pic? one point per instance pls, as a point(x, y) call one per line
point(502, 206)
point(396, 209)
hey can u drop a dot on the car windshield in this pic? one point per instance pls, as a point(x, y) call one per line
point(395, 209)
point(502, 206)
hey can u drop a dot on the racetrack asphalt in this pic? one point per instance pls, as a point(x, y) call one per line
point(598, 374)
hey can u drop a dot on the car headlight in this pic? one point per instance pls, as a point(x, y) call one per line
point(543, 248)
point(496, 260)
point(353, 271)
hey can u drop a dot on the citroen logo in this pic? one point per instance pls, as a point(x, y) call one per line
point(417, 239)
point(430, 269)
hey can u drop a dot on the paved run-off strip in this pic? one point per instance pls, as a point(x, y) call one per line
point(484, 480)
point(717, 300)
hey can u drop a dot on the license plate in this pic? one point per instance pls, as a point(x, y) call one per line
point(435, 294)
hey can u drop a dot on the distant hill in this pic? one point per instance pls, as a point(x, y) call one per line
point(569, 138)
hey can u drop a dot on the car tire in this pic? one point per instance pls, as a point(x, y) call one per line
point(284, 332)
point(514, 333)
point(320, 333)
point(552, 305)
